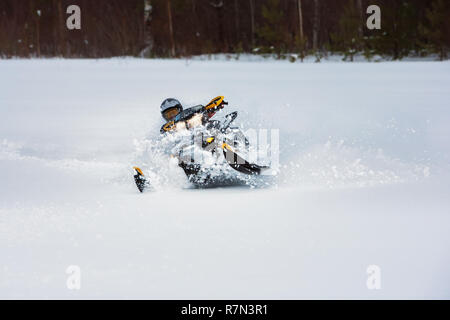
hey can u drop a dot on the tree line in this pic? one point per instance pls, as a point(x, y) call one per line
point(180, 28)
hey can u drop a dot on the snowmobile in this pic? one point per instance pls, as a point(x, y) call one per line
point(208, 145)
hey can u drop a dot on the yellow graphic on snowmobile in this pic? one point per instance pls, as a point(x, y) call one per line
point(214, 103)
point(169, 126)
point(227, 146)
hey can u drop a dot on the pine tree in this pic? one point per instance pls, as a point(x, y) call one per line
point(436, 30)
point(399, 32)
point(271, 33)
point(348, 39)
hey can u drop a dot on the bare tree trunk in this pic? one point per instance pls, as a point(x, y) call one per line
point(316, 26)
point(28, 37)
point(252, 19)
point(236, 20)
point(300, 20)
point(196, 45)
point(194, 14)
point(172, 40)
point(55, 26)
point(38, 35)
point(148, 40)
point(360, 12)
point(61, 40)
point(220, 15)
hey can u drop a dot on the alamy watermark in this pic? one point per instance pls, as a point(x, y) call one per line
point(73, 22)
point(73, 281)
point(240, 148)
point(374, 20)
point(374, 277)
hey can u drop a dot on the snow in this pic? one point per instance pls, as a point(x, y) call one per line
point(364, 181)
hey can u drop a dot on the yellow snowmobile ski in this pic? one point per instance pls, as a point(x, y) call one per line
point(139, 178)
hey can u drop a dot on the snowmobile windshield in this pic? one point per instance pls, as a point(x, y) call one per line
point(189, 113)
point(171, 113)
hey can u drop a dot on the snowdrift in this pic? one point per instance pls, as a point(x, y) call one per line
point(364, 175)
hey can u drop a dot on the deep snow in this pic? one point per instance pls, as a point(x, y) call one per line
point(364, 180)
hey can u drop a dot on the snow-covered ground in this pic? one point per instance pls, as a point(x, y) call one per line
point(364, 180)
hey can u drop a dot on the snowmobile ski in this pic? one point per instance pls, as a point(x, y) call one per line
point(240, 164)
point(139, 178)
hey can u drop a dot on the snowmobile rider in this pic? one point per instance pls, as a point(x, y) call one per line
point(178, 119)
point(173, 113)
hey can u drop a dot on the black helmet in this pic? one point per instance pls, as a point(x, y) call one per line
point(170, 108)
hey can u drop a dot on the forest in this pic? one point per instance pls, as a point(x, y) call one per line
point(183, 28)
